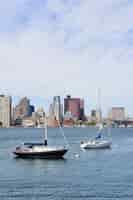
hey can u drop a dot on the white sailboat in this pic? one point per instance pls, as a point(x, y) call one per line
point(98, 142)
point(41, 150)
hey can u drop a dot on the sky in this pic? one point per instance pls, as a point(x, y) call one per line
point(61, 47)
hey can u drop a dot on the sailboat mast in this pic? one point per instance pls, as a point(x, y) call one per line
point(99, 105)
point(46, 133)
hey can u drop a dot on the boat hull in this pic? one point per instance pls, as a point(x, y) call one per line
point(100, 145)
point(58, 154)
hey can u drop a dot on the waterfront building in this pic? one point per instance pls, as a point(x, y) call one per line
point(93, 116)
point(117, 114)
point(38, 117)
point(40, 112)
point(23, 109)
point(99, 116)
point(82, 114)
point(68, 120)
point(75, 106)
point(68, 116)
point(31, 109)
point(5, 111)
point(28, 122)
point(51, 111)
point(55, 110)
point(96, 116)
point(52, 122)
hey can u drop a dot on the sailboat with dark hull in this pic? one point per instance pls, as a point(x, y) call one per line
point(41, 150)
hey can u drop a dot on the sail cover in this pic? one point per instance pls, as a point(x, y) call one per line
point(98, 136)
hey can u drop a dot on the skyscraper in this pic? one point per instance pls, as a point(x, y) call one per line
point(75, 106)
point(82, 114)
point(23, 109)
point(5, 111)
point(55, 112)
point(56, 108)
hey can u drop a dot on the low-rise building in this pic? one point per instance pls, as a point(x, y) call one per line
point(117, 114)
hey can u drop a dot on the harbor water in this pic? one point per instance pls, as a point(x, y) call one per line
point(83, 174)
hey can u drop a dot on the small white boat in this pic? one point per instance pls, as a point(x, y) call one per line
point(96, 144)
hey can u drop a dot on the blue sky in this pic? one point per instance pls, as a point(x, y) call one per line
point(58, 47)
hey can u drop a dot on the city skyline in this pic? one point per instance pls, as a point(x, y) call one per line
point(68, 113)
point(68, 47)
point(44, 102)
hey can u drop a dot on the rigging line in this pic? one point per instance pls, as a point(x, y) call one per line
point(109, 130)
point(65, 139)
point(56, 137)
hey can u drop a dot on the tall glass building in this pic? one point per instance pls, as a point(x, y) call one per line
point(57, 108)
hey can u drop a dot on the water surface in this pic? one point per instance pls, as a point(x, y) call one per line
point(93, 174)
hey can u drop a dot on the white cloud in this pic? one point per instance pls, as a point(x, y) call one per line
point(61, 47)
